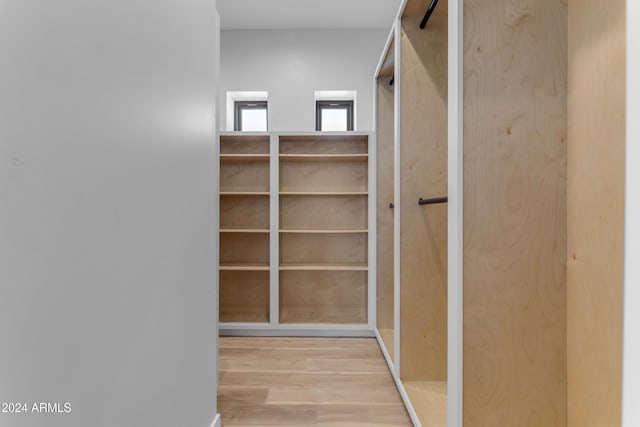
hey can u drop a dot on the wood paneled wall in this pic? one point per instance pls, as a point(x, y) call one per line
point(515, 55)
point(595, 185)
point(423, 229)
point(384, 147)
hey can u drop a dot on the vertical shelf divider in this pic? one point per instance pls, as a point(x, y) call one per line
point(371, 235)
point(274, 237)
point(396, 193)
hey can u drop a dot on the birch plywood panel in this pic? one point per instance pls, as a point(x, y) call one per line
point(244, 296)
point(423, 229)
point(387, 67)
point(595, 190)
point(385, 183)
point(323, 212)
point(244, 144)
point(429, 399)
point(415, 10)
point(323, 248)
point(244, 248)
point(323, 297)
point(514, 213)
point(323, 176)
point(244, 176)
point(244, 212)
point(342, 144)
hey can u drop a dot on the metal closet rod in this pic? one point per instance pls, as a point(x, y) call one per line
point(434, 201)
point(427, 15)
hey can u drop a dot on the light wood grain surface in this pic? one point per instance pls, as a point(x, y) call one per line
point(324, 231)
point(323, 248)
point(238, 175)
point(387, 67)
point(323, 297)
point(323, 144)
point(595, 187)
point(244, 296)
point(330, 193)
point(385, 192)
point(306, 382)
point(515, 58)
point(244, 223)
point(323, 276)
point(244, 144)
point(244, 212)
point(323, 157)
point(429, 399)
point(345, 266)
point(423, 229)
point(323, 212)
point(415, 10)
point(327, 175)
point(244, 248)
point(244, 157)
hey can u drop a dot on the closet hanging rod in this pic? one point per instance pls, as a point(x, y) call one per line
point(427, 15)
point(434, 201)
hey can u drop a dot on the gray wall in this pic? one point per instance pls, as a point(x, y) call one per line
point(292, 64)
point(107, 192)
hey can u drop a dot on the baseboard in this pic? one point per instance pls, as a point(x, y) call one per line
point(216, 421)
point(396, 379)
point(385, 353)
point(407, 402)
point(266, 330)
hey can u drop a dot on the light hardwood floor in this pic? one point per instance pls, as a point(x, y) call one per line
point(324, 382)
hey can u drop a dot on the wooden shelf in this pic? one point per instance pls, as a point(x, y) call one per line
point(324, 267)
point(327, 231)
point(324, 213)
point(244, 230)
point(323, 315)
point(429, 399)
point(244, 193)
point(308, 296)
point(324, 193)
point(244, 267)
point(322, 233)
point(244, 143)
point(244, 157)
point(324, 143)
point(244, 296)
point(324, 157)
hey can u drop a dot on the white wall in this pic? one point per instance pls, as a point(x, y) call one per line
point(631, 365)
point(107, 189)
point(292, 64)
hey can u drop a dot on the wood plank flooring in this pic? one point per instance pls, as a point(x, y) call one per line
point(306, 382)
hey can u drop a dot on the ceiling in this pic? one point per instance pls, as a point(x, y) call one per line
point(307, 14)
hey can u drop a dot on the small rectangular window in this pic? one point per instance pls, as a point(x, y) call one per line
point(334, 115)
point(251, 116)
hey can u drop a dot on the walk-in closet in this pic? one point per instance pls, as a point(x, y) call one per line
point(475, 232)
point(320, 213)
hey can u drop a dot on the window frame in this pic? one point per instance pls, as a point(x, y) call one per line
point(335, 105)
point(239, 106)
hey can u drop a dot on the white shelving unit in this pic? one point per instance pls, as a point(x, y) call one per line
point(296, 239)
